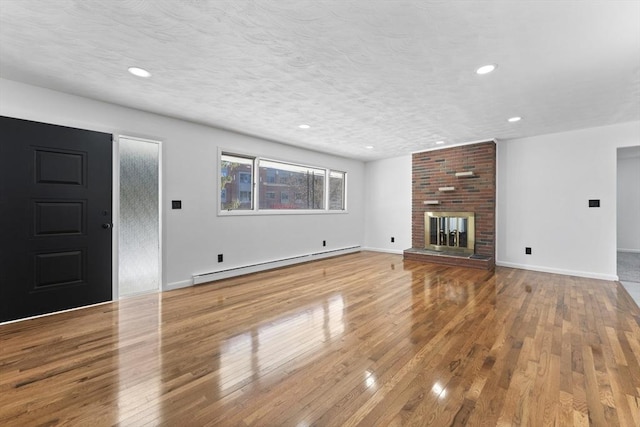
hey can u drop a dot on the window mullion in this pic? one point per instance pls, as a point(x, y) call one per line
point(256, 184)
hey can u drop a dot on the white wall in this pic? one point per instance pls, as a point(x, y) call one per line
point(193, 236)
point(629, 199)
point(544, 184)
point(388, 204)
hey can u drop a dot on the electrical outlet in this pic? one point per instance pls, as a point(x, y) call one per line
point(393, 239)
point(324, 243)
point(220, 257)
point(527, 251)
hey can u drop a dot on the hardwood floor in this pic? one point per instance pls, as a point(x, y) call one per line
point(363, 339)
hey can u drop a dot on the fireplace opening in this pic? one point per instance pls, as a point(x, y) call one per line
point(450, 231)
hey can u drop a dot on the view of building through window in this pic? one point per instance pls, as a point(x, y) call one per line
point(293, 186)
point(281, 185)
point(236, 182)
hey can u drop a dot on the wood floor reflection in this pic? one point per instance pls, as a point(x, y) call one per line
point(363, 339)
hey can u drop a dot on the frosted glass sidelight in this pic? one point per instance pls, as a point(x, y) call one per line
point(139, 241)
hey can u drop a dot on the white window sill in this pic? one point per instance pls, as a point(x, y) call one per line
point(270, 212)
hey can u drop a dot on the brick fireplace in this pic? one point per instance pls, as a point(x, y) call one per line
point(458, 179)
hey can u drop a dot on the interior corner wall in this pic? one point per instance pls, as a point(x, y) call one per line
point(387, 206)
point(544, 187)
point(193, 236)
point(628, 204)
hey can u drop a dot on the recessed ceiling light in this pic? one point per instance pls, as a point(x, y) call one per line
point(439, 142)
point(514, 119)
point(304, 126)
point(486, 69)
point(369, 147)
point(140, 72)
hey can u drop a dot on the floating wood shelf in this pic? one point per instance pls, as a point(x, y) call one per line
point(431, 202)
point(464, 174)
point(443, 189)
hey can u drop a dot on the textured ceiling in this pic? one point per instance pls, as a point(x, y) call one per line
point(397, 75)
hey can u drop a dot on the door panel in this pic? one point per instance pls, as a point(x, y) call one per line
point(55, 212)
point(58, 218)
point(59, 167)
point(59, 269)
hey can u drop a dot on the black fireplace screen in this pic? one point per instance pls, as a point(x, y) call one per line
point(448, 231)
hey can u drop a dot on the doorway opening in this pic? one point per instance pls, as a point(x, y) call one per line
point(628, 226)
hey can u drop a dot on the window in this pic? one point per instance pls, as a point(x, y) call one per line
point(252, 184)
point(305, 183)
point(336, 190)
point(236, 182)
point(271, 176)
point(245, 197)
point(245, 177)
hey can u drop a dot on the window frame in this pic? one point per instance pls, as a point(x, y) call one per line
point(256, 190)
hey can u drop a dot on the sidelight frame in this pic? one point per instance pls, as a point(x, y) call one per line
point(116, 215)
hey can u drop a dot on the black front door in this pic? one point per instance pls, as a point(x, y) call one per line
point(55, 218)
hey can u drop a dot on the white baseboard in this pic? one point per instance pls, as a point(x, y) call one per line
point(268, 265)
point(587, 274)
point(178, 285)
point(633, 251)
point(388, 251)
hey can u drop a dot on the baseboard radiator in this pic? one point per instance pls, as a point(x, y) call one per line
point(268, 265)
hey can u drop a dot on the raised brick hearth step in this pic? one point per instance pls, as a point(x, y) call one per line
point(446, 258)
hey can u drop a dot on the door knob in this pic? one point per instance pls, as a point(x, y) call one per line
point(106, 225)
